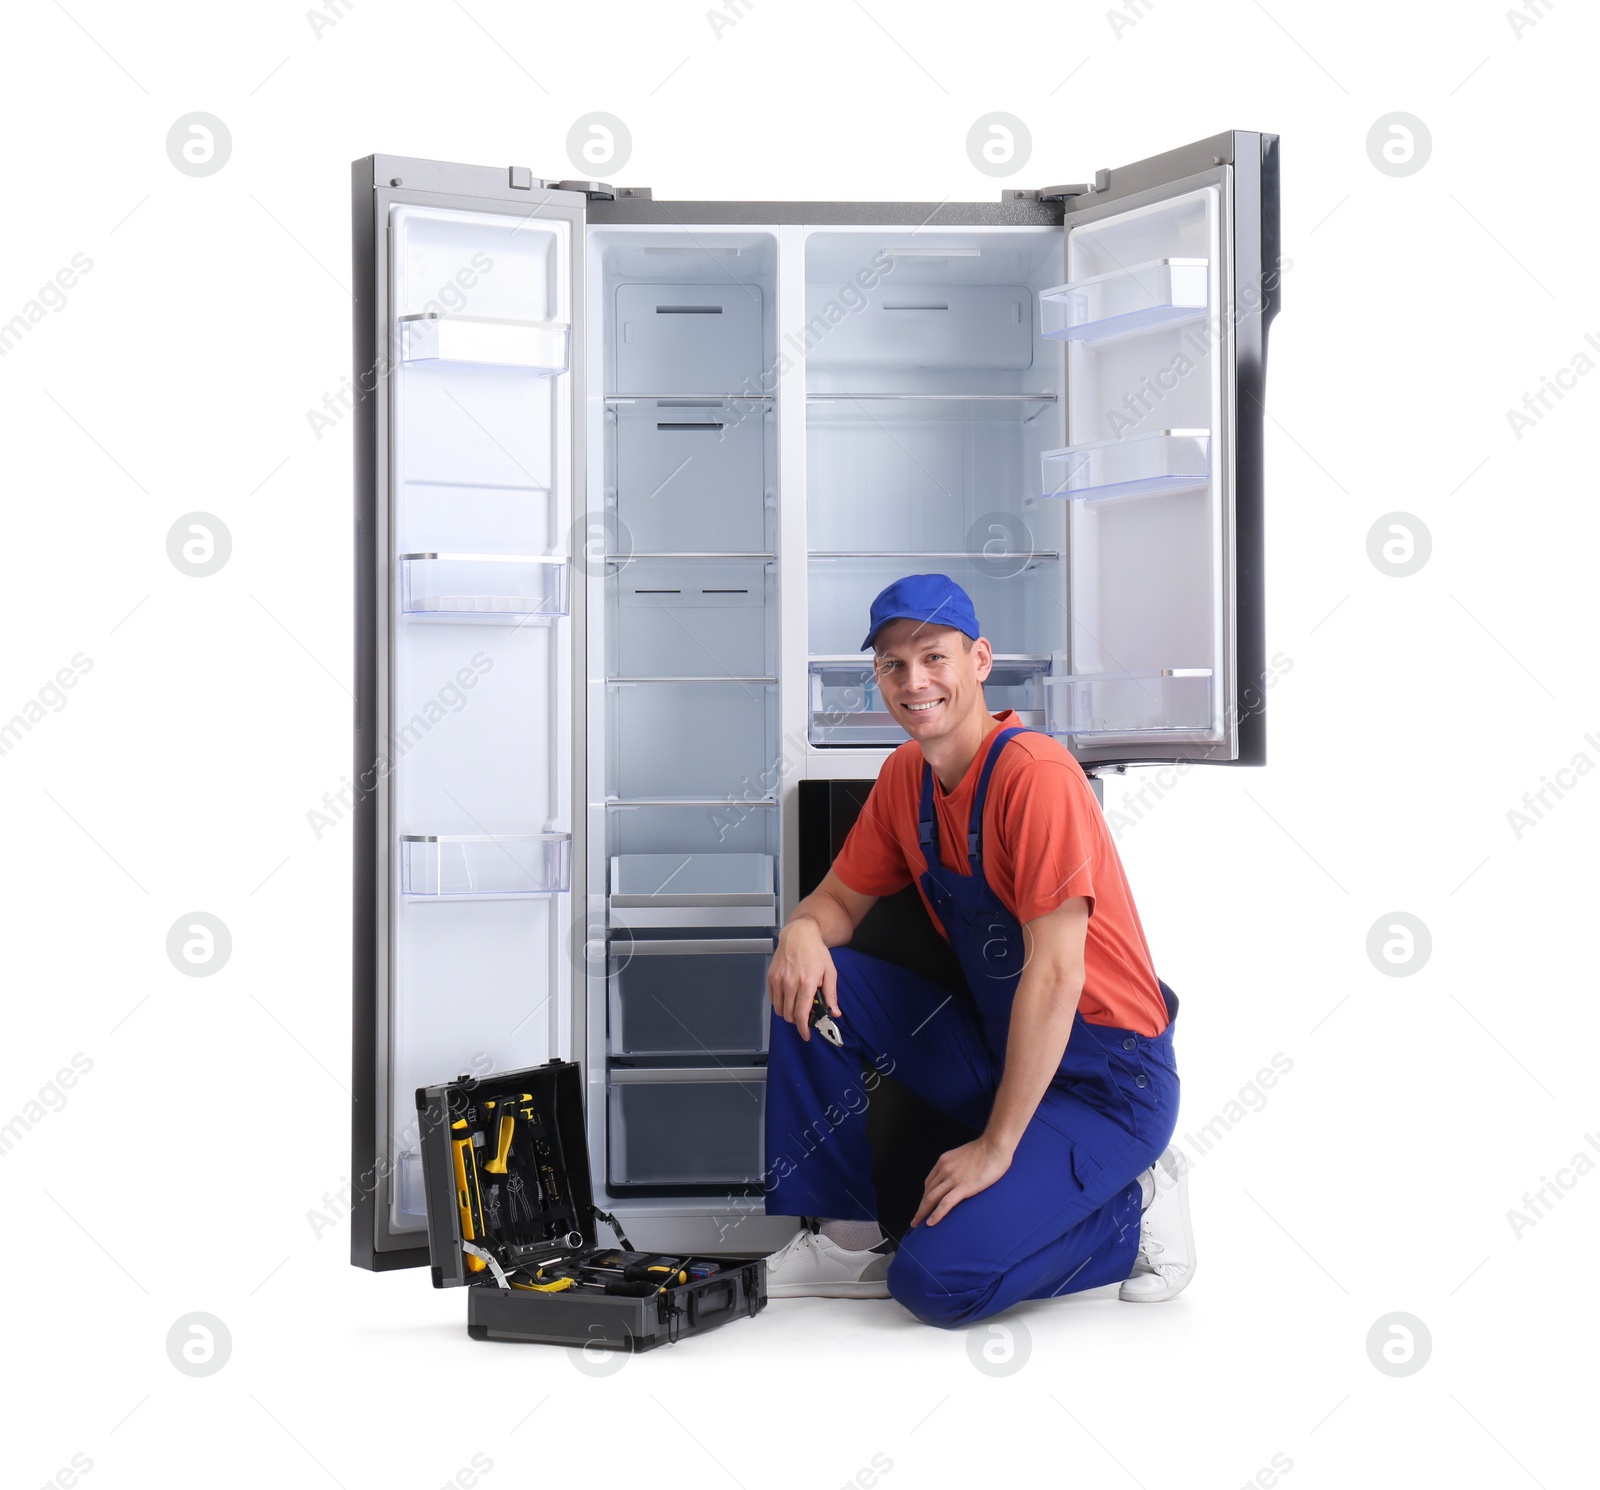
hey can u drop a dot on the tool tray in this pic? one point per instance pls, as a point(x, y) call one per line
point(506, 1174)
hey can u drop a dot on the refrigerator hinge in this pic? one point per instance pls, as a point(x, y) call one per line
point(604, 191)
point(1046, 193)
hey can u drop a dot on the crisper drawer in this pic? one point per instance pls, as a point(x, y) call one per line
point(687, 1126)
point(699, 997)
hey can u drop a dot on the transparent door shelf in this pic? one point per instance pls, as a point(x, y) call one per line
point(1165, 460)
point(1174, 700)
point(1134, 299)
point(480, 585)
point(466, 865)
point(701, 997)
point(533, 346)
point(847, 708)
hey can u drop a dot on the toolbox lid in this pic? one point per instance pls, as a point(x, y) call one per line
point(534, 1203)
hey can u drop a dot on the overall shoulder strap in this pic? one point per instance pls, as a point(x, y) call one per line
point(975, 827)
point(927, 826)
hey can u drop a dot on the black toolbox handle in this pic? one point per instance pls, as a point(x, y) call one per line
point(719, 1296)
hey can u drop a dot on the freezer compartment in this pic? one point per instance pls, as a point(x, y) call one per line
point(691, 475)
point(847, 708)
point(485, 864)
point(1132, 299)
point(683, 618)
point(706, 996)
point(481, 586)
point(686, 1125)
point(927, 473)
point(703, 741)
point(1164, 460)
point(688, 338)
point(1165, 700)
point(1018, 596)
point(692, 889)
point(538, 347)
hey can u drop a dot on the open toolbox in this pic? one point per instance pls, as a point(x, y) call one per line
point(511, 1217)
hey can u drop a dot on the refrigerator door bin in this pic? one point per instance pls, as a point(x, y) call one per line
point(682, 617)
point(686, 1125)
point(485, 864)
point(481, 586)
point(847, 708)
point(688, 997)
point(1176, 699)
point(688, 339)
point(1132, 299)
point(1163, 460)
point(538, 347)
point(690, 475)
point(711, 740)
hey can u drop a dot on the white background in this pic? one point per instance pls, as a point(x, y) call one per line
point(184, 1169)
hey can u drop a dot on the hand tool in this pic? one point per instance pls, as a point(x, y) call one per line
point(497, 1165)
point(822, 1020)
point(468, 1197)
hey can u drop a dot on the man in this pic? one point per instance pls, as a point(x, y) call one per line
point(1061, 1059)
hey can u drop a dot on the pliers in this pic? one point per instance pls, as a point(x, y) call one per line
point(822, 1021)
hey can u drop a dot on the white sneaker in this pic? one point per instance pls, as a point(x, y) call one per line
point(811, 1266)
point(1166, 1240)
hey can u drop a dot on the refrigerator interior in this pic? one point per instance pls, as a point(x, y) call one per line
point(683, 647)
point(929, 404)
point(478, 614)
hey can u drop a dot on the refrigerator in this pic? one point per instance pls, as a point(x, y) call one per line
point(628, 473)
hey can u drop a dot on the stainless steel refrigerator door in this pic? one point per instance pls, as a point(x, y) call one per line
point(469, 376)
point(1171, 278)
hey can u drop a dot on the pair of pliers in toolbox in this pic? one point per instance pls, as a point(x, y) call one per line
point(822, 1021)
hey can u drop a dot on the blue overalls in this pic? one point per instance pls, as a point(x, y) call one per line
point(1065, 1216)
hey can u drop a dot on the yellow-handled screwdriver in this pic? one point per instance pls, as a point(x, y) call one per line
point(468, 1198)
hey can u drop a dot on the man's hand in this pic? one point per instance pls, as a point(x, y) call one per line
point(959, 1173)
point(800, 966)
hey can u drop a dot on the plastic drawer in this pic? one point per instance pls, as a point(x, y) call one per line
point(689, 1126)
point(699, 997)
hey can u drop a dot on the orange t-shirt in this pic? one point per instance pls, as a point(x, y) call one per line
point(1045, 840)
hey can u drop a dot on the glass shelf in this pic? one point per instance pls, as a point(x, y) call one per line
point(1164, 460)
point(1171, 700)
point(1159, 293)
point(460, 866)
point(939, 408)
point(847, 708)
point(533, 346)
point(480, 586)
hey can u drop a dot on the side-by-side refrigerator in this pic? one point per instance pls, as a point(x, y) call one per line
point(628, 475)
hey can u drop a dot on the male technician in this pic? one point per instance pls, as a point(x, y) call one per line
point(1061, 1058)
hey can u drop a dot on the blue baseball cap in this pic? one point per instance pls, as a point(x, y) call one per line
point(934, 598)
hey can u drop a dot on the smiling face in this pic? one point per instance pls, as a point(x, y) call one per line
point(931, 677)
